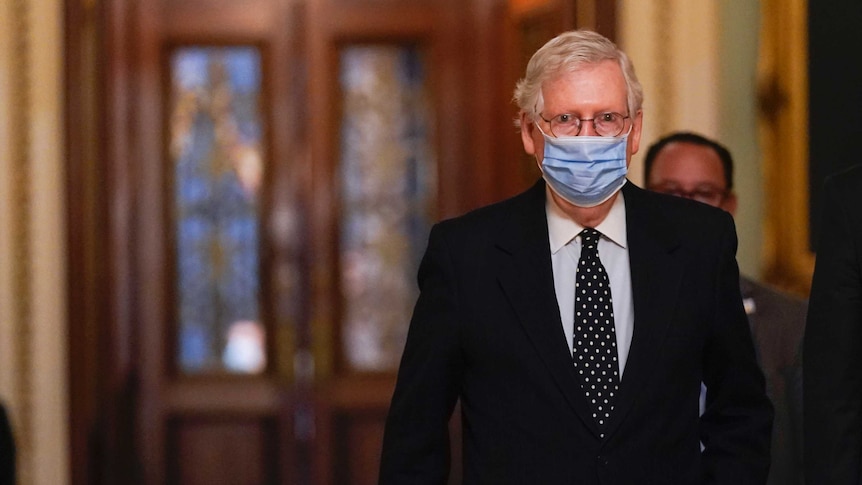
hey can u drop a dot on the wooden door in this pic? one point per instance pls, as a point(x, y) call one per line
point(363, 291)
point(251, 184)
point(250, 187)
point(215, 123)
point(346, 151)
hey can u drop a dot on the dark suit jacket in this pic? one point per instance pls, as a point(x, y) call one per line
point(833, 339)
point(486, 329)
point(777, 323)
point(7, 450)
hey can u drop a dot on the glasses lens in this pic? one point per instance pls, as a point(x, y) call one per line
point(609, 124)
point(711, 197)
point(565, 125)
point(708, 195)
point(605, 124)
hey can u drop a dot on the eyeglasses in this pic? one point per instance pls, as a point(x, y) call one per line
point(706, 194)
point(605, 124)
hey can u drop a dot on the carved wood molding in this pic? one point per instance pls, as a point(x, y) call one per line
point(666, 104)
point(783, 112)
point(21, 230)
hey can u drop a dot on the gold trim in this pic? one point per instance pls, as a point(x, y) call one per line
point(22, 236)
point(783, 126)
point(664, 62)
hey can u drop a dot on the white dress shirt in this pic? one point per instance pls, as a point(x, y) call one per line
point(614, 254)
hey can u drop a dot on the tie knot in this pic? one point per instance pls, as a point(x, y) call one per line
point(590, 238)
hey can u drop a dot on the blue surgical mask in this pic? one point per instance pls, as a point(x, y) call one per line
point(585, 170)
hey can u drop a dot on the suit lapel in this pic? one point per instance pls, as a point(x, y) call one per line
point(526, 277)
point(656, 275)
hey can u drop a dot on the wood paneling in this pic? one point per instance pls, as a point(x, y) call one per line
point(309, 419)
point(234, 451)
point(783, 122)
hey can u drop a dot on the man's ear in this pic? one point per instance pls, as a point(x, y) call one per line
point(635, 136)
point(729, 203)
point(527, 129)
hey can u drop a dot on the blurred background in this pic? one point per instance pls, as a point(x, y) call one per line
point(212, 211)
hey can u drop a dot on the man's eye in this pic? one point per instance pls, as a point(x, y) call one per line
point(607, 117)
point(706, 194)
point(564, 118)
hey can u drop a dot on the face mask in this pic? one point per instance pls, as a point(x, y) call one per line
point(585, 170)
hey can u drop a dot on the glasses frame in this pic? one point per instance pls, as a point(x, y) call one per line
point(580, 123)
point(715, 198)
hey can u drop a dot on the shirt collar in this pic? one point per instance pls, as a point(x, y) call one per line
point(562, 229)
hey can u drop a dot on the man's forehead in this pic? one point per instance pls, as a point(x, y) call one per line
point(605, 67)
point(689, 145)
point(687, 162)
point(607, 75)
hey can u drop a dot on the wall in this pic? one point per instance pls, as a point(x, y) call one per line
point(738, 129)
point(695, 59)
point(32, 238)
point(697, 64)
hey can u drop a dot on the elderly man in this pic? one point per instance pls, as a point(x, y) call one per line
point(576, 321)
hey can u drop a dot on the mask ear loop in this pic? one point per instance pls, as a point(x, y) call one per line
point(631, 127)
point(536, 154)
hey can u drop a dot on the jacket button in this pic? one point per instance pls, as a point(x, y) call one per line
point(601, 460)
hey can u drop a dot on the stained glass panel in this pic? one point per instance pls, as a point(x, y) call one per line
point(387, 169)
point(217, 162)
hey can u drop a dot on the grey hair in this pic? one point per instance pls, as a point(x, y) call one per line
point(566, 53)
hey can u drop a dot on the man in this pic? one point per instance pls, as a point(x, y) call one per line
point(690, 165)
point(833, 339)
point(578, 356)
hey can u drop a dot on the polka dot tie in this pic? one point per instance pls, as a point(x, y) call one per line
point(594, 346)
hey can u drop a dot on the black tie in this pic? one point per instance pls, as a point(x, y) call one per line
point(594, 349)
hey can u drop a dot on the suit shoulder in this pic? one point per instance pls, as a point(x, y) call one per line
point(848, 177)
point(761, 292)
point(685, 206)
point(685, 216)
point(846, 185)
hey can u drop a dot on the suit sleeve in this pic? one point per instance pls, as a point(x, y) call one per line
point(832, 374)
point(416, 437)
point(737, 421)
